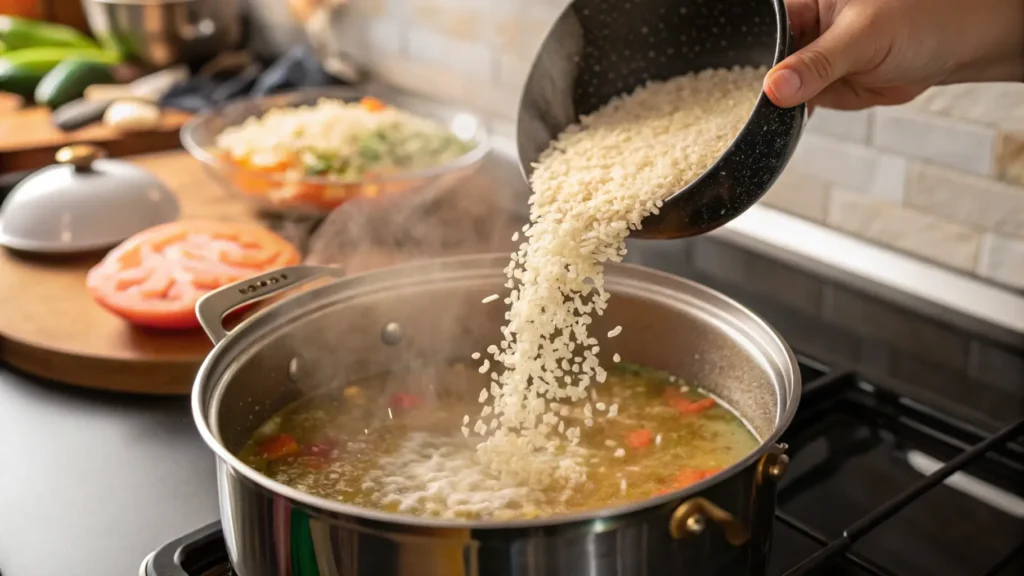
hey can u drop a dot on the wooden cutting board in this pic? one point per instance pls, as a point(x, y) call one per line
point(49, 326)
point(28, 138)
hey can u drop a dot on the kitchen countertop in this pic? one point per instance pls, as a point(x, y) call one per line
point(93, 482)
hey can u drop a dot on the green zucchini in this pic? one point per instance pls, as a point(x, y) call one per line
point(18, 33)
point(68, 81)
point(21, 70)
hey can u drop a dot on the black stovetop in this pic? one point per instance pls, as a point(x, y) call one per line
point(907, 451)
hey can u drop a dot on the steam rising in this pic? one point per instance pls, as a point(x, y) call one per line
point(476, 215)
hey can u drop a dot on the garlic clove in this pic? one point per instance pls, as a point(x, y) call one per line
point(132, 115)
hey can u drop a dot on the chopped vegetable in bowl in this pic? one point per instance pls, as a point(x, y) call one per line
point(340, 141)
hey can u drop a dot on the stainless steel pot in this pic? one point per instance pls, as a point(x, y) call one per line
point(158, 33)
point(431, 312)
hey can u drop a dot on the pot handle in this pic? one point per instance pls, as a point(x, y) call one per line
point(211, 308)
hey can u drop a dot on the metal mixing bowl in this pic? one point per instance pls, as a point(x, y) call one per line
point(159, 33)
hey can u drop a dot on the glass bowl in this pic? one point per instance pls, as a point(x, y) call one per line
point(277, 192)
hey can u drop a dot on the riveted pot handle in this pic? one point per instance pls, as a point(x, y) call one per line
point(211, 308)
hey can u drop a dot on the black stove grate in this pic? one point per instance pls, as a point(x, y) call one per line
point(823, 392)
point(848, 486)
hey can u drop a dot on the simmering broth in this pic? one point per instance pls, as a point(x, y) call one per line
point(395, 443)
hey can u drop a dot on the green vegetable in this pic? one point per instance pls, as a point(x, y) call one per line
point(22, 70)
point(68, 81)
point(369, 151)
point(17, 33)
point(3, 47)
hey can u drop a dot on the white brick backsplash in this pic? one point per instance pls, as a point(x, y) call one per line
point(852, 166)
point(1010, 161)
point(852, 126)
point(1002, 260)
point(800, 194)
point(993, 103)
point(941, 177)
point(446, 84)
point(468, 20)
point(386, 34)
point(512, 71)
point(952, 143)
point(473, 59)
point(972, 200)
point(374, 8)
point(522, 34)
point(925, 236)
point(501, 128)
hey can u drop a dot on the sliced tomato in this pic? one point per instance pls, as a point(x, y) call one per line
point(154, 278)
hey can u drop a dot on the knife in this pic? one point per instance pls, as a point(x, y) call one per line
point(87, 110)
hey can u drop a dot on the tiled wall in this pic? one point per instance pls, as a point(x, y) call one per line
point(941, 178)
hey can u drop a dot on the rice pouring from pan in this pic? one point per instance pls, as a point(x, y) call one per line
point(429, 313)
point(600, 49)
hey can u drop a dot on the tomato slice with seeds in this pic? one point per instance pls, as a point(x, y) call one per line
point(155, 278)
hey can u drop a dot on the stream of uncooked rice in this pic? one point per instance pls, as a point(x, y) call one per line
point(594, 184)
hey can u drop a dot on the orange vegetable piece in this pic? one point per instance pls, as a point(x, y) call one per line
point(405, 401)
point(278, 447)
point(640, 438)
point(155, 277)
point(371, 104)
point(688, 476)
point(684, 406)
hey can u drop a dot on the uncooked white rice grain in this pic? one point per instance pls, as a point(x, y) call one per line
point(615, 332)
point(490, 299)
point(580, 215)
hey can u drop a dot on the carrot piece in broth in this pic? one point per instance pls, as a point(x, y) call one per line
point(684, 406)
point(641, 438)
point(279, 446)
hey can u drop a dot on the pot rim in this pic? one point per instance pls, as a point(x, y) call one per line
point(446, 265)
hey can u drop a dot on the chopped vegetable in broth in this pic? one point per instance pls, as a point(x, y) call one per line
point(394, 443)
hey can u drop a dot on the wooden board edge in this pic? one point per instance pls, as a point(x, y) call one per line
point(153, 379)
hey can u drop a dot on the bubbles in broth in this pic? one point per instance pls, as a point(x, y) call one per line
point(394, 443)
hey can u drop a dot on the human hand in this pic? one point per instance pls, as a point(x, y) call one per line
point(860, 53)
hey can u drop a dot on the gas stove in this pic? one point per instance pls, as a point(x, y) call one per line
point(906, 454)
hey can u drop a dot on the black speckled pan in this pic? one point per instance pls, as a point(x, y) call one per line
point(599, 49)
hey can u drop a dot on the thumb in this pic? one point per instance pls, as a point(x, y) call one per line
point(813, 68)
